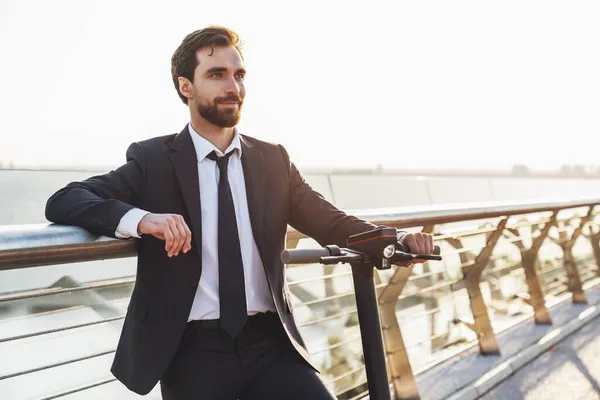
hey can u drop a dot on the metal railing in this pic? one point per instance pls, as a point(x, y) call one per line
point(502, 262)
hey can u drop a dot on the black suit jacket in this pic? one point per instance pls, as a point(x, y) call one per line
point(161, 176)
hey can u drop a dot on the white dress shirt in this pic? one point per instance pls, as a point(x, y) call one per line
point(206, 301)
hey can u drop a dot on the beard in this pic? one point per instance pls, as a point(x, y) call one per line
point(225, 118)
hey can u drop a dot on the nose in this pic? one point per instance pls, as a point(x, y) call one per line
point(233, 87)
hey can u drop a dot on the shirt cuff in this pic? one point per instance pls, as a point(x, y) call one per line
point(400, 234)
point(129, 223)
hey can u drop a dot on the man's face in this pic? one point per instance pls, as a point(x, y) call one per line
point(218, 88)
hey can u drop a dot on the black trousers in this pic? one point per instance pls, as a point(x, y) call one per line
point(259, 364)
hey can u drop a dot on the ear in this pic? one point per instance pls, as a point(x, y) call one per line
point(185, 87)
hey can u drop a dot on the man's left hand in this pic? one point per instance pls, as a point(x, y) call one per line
point(418, 243)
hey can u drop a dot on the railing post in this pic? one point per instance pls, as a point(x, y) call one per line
point(570, 263)
point(472, 272)
point(529, 258)
point(400, 370)
point(595, 241)
point(292, 242)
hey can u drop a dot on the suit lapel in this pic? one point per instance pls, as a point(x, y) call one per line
point(253, 164)
point(184, 160)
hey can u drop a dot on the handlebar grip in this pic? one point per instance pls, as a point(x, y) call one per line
point(303, 256)
point(403, 248)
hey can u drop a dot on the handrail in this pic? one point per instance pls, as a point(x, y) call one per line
point(404, 217)
point(35, 245)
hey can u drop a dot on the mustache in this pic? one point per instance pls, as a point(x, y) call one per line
point(230, 98)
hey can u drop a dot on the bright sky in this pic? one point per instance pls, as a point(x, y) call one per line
point(419, 84)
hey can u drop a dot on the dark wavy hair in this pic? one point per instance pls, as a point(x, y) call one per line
point(184, 60)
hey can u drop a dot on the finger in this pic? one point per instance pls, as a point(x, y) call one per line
point(176, 237)
point(182, 236)
point(431, 244)
point(424, 243)
point(412, 244)
point(168, 237)
point(188, 237)
point(420, 243)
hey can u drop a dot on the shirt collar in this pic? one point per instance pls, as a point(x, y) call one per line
point(204, 147)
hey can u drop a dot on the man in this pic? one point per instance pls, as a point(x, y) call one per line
point(210, 314)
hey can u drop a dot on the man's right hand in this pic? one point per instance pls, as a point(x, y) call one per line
point(168, 227)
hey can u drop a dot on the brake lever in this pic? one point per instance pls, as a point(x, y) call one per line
point(346, 256)
point(393, 256)
point(327, 260)
point(426, 257)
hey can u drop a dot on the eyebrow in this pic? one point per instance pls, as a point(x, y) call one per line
point(223, 69)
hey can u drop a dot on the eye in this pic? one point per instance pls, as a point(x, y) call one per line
point(217, 75)
point(240, 76)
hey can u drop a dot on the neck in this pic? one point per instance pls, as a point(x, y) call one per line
point(220, 137)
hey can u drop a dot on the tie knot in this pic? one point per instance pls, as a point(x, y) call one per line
point(221, 161)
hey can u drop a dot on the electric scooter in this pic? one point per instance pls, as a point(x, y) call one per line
point(378, 248)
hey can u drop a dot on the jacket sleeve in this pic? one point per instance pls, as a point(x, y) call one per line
point(97, 204)
point(311, 214)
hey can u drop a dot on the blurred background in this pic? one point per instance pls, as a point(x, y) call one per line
point(397, 84)
point(419, 89)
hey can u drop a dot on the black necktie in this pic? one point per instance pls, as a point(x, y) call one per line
point(232, 291)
